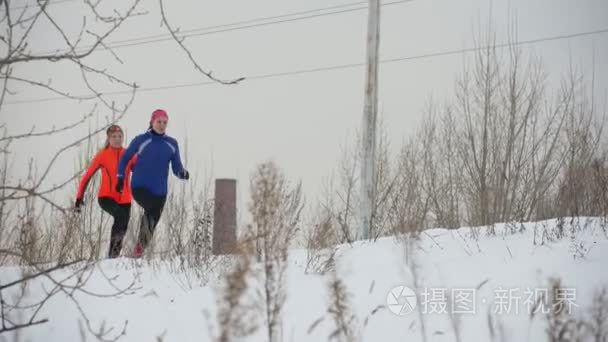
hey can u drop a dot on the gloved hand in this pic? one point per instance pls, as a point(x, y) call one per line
point(78, 205)
point(119, 185)
point(185, 175)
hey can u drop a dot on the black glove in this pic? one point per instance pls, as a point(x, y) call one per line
point(119, 185)
point(78, 204)
point(185, 175)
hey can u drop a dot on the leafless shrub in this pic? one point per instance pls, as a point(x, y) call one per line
point(275, 208)
point(579, 248)
point(387, 177)
point(598, 316)
point(581, 180)
point(564, 325)
point(341, 201)
point(561, 324)
point(341, 312)
point(238, 311)
point(411, 243)
point(496, 328)
point(391, 180)
point(440, 167)
point(182, 241)
point(409, 207)
point(321, 245)
point(600, 178)
point(21, 307)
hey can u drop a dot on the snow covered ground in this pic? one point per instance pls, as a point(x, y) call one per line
point(468, 289)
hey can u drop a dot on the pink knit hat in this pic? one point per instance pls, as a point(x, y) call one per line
point(159, 113)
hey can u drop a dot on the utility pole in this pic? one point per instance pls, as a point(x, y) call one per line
point(370, 110)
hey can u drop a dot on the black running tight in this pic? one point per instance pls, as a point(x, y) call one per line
point(121, 214)
point(153, 207)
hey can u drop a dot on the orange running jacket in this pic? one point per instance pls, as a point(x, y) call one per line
point(107, 160)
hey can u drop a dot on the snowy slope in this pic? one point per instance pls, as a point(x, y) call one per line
point(174, 307)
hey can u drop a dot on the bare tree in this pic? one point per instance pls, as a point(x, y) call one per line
point(440, 175)
point(511, 143)
point(32, 213)
point(500, 102)
point(477, 93)
point(600, 176)
point(386, 183)
point(343, 201)
point(583, 131)
point(20, 44)
point(409, 206)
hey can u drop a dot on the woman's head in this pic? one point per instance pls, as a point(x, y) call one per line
point(114, 136)
point(158, 121)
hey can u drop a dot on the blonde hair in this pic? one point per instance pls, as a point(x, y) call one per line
point(109, 131)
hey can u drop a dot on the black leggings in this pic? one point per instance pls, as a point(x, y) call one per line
point(121, 214)
point(153, 207)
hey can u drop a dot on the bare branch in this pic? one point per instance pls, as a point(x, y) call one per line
point(107, 48)
point(5, 86)
point(25, 325)
point(70, 55)
point(34, 191)
point(104, 73)
point(69, 146)
point(2, 311)
point(43, 272)
point(22, 42)
point(48, 86)
point(180, 41)
point(99, 16)
point(57, 27)
point(32, 134)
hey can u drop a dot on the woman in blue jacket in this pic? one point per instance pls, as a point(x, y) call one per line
point(153, 150)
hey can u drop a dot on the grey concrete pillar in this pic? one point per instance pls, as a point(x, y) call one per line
point(224, 223)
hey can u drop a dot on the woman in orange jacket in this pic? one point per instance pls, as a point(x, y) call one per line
point(116, 204)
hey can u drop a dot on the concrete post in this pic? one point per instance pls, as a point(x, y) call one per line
point(224, 223)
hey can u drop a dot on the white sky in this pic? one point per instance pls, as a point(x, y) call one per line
point(301, 121)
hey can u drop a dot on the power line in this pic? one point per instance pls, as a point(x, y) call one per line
point(35, 5)
point(498, 46)
point(197, 31)
point(247, 24)
point(244, 22)
point(338, 67)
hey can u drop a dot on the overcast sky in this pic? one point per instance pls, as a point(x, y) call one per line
point(301, 121)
